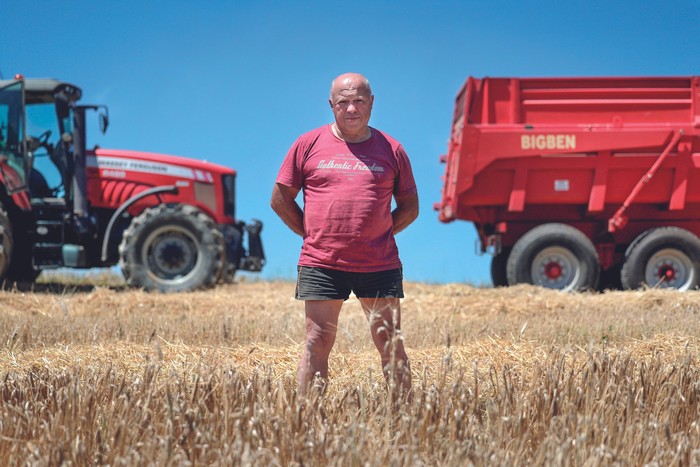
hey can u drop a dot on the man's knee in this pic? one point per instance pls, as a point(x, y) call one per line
point(384, 330)
point(319, 341)
point(321, 324)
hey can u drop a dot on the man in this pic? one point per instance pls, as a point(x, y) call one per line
point(349, 172)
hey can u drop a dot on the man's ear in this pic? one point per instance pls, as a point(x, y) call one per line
point(330, 102)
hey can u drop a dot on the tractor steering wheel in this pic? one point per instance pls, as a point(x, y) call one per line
point(44, 138)
point(35, 142)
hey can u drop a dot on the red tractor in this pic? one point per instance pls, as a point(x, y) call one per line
point(169, 222)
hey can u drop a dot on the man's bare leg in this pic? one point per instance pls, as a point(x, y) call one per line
point(321, 327)
point(384, 316)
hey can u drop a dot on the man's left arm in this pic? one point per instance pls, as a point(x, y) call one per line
point(406, 211)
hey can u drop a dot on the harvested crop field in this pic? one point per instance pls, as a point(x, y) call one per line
point(521, 375)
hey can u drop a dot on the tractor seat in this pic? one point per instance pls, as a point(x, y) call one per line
point(38, 187)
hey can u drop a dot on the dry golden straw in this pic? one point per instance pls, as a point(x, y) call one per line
point(103, 375)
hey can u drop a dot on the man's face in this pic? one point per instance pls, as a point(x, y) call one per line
point(352, 107)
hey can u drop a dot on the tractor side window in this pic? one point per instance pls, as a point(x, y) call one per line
point(45, 178)
point(4, 128)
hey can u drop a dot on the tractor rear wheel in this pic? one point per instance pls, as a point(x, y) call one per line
point(664, 257)
point(171, 248)
point(555, 256)
point(21, 268)
point(7, 244)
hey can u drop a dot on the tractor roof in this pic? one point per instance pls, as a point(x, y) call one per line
point(38, 90)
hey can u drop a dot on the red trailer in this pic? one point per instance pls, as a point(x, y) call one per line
point(579, 183)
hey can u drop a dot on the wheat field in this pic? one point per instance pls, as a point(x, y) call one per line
point(102, 375)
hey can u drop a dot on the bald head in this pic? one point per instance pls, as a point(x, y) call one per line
point(350, 81)
point(351, 102)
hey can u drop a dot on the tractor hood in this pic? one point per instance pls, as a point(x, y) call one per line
point(156, 164)
point(115, 176)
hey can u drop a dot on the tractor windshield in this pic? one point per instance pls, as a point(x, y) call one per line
point(12, 161)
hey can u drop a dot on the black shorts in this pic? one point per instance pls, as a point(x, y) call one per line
point(330, 284)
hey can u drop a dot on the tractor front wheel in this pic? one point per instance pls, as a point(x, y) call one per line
point(171, 248)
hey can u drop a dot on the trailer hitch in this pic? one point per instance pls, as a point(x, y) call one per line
point(255, 259)
point(619, 220)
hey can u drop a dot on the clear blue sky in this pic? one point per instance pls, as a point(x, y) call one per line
point(235, 82)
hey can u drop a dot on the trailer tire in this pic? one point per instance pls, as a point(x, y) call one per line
point(171, 248)
point(555, 256)
point(7, 242)
point(664, 257)
point(499, 263)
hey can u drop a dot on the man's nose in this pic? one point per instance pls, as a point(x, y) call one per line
point(352, 108)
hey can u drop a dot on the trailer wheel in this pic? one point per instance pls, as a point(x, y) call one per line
point(555, 256)
point(665, 257)
point(7, 244)
point(171, 248)
point(499, 263)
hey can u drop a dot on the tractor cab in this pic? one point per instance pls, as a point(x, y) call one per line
point(38, 138)
point(42, 171)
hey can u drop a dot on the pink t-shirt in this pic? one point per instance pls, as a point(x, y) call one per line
point(348, 189)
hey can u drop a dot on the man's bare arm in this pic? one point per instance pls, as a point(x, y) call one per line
point(284, 203)
point(406, 211)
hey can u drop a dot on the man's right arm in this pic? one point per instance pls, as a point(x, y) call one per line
point(284, 203)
